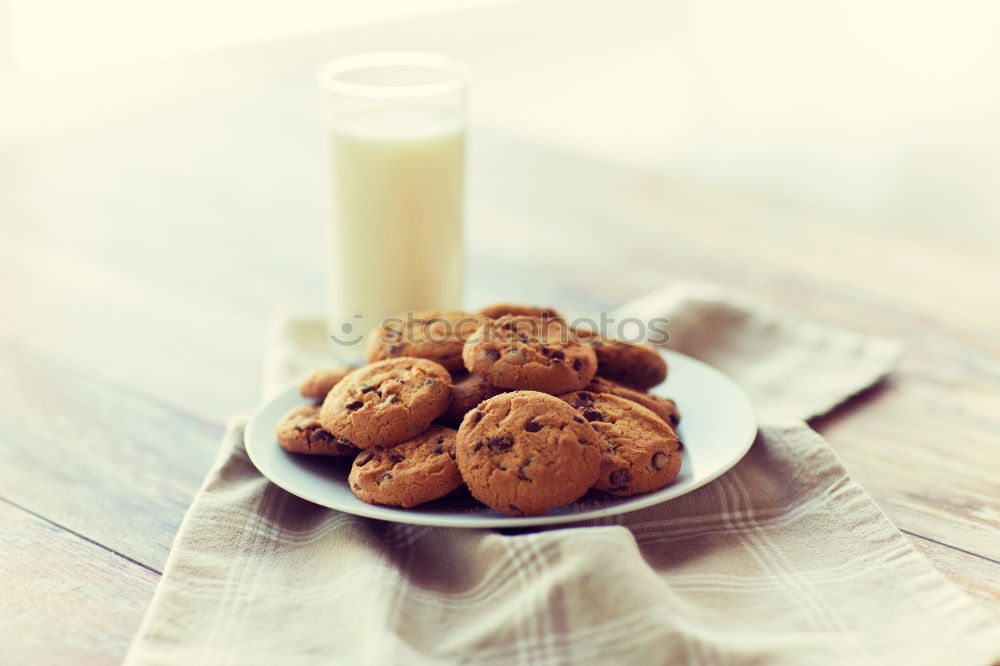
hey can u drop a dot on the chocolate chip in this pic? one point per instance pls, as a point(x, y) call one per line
point(513, 507)
point(492, 354)
point(345, 446)
point(585, 395)
point(385, 477)
point(430, 380)
point(440, 439)
point(500, 444)
point(545, 349)
point(320, 436)
point(520, 470)
point(477, 416)
point(674, 420)
point(577, 364)
point(478, 445)
point(351, 406)
point(395, 350)
point(363, 458)
point(558, 355)
point(578, 419)
point(680, 445)
point(660, 460)
point(620, 478)
point(367, 389)
point(395, 458)
point(438, 450)
point(593, 415)
point(532, 426)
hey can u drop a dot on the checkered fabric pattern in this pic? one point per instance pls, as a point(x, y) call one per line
point(783, 560)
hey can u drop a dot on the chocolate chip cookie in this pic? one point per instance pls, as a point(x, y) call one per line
point(500, 309)
point(665, 408)
point(467, 391)
point(434, 335)
point(386, 402)
point(528, 353)
point(640, 453)
point(410, 473)
point(637, 366)
point(318, 383)
point(299, 431)
point(525, 452)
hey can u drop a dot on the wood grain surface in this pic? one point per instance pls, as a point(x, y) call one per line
point(66, 600)
point(144, 245)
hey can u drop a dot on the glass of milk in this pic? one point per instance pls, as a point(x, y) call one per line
point(396, 129)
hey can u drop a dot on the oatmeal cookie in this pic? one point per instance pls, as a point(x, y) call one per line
point(525, 452)
point(299, 431)
point(500, 309)
point(665, 408)
point(467, 391)
point(431, 334)
point(387, 402)
point(527, 353)
point(318, 382)
point(640, 453)
point(410, 473)
point(638, 366)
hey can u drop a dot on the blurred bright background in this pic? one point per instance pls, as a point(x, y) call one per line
point(163, 169)
point(886, 110)
point(164, 191)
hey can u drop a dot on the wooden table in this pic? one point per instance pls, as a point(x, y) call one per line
point(150, 223)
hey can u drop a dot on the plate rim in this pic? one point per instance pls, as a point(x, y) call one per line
point(401, 515)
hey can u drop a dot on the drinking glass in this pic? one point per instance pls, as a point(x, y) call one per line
point(395, 124)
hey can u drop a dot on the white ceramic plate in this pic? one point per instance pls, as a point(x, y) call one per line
point(717, 429)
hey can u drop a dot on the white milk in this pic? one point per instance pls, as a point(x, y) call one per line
point(396, 227)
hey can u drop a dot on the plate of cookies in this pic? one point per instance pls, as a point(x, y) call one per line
point(511, 416)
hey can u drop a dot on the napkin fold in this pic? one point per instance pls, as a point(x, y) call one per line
point(782, 560)
point(791, 368)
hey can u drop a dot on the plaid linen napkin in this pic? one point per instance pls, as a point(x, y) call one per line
point(783, 560)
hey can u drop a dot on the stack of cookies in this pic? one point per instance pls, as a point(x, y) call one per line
point(526, 411)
